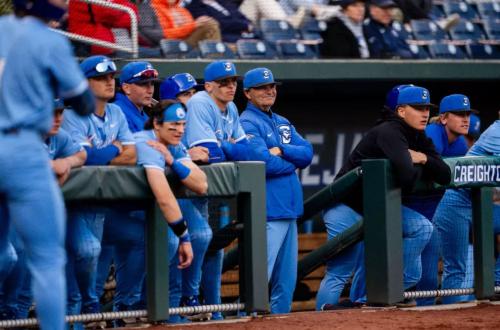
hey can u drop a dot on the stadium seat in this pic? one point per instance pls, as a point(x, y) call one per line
point(311, 30)
point(467, 31)
point(402, 30)
point(492, 28)
point(446, 51)
point(295, 50)
point(277, 30)
point(427, 30)
point(461, 8)
point(489, 10)
point(483, 52)
point(215, 49)
point(253, 49)
point(419, 52)
point(171, 48)
point(437, 11)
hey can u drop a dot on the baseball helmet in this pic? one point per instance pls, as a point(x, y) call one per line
point(45, 9)
point(391, 99)
point(176, 84)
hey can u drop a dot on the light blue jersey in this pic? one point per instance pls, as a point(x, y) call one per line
point(488, 143)
point(205, 122)
point(96, 132)
point(149, 157)
point(61, 145)
point(9, 25)
point(45, 59)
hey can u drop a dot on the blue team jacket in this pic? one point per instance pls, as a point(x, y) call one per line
point(283, 189)
point(135, 118)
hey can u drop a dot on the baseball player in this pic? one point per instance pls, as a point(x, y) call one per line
point(107, 140)
point(278, 144)
point(124, 230)
point(212, 122)
point(64, 155)
point(186, 283)
point(36, 65)
point(453, 220)
point(398, 136)
point(448, 136)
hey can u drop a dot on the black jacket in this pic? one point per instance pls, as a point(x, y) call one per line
point(391, 138)
point(339, 41)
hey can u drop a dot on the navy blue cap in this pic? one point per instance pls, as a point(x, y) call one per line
point(415, 96)
point(98, 65)
point(219, 70)
point(474, 126)
point(455, 103)
point(258, 77)
point(59, 104)
point(138, 72)
point(174, 112)
point(176, 84)
point(391, 100)
point(383, 3)
point(345, 3)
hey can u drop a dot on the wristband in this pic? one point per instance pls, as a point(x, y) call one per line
point(185, 238)
point(179, 227)
point(180, 169)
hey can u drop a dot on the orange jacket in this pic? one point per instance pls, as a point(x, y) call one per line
point(176, 22)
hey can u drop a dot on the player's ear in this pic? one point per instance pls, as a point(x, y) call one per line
point(126, 88)
point(247, 95)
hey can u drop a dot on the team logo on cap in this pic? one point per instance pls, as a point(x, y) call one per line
point(189, 77)
point(228, 66)
point(180, 113)
point(266, 74)
point(285, 133)
point(466, 101)
point(424, 95)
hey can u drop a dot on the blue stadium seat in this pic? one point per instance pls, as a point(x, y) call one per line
point(171, 48)
point(253, 49)
point(215, 50)
point(492, 28)
point(461, 8)
point(483, 52)
point(277, 30)
point(446, 51)
point(312, 29)
point(427, 30)
point(295, 50)
point(419, 52)
point(437, 11)
point(489, 10)
point(467, 31)
point(402, 30)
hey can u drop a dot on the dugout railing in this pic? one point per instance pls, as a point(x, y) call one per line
point(124, 186)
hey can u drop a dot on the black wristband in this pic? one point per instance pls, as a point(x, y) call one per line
point(179, 227)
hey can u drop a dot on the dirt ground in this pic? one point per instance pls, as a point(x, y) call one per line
point(482, 316)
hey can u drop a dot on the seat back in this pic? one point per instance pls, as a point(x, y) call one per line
point(483, 52)
point(446, 51)
point(295, 50)
point(277, 30)
point(254, 49)
point(172, 48)
point(215, 50)
point(427, 30)
point(467, 31)
point(489, 10)
point(461, 8)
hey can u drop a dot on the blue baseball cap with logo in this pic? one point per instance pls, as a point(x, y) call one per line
point(455, 103)
point(258, 77)
point(138, 72)
point(176, 84)
point(219, 70)
point(474, 126)
point(98, 65)
point(415, 96)
point(174, 112)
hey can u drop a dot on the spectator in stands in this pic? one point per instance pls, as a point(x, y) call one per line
point(97, 21)
point(344, 36)
point(108, 141)
point(255, 10)
point(398, 136)
point(321, 9)
point(284, 151)
point(162, 19)
point(233, 24)
point(383, 40)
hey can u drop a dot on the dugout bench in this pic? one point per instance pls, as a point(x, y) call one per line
point(122, 185)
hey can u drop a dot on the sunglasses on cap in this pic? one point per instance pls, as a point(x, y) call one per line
point(105, 66)
point(145, 74)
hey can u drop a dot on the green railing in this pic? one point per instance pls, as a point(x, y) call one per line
point(113, 185)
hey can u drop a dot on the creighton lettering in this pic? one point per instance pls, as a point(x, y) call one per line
point(476, 173)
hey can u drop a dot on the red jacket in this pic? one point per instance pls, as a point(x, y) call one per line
point(97, 21)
